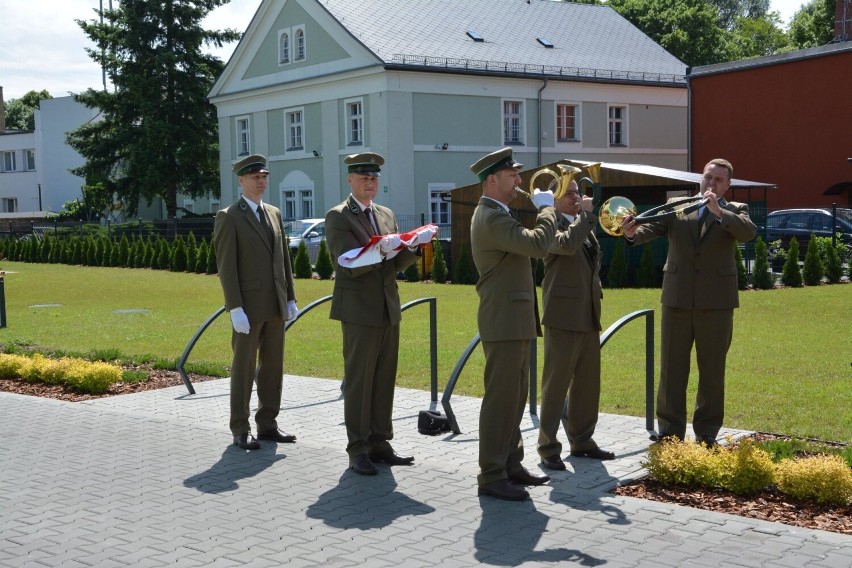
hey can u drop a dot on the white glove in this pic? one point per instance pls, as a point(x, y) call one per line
point(240, 321)
point(542, 198)
point(389, 243)
point(424, 236)
point(292, 310)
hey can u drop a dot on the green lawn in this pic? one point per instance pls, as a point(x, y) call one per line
point(788, 369)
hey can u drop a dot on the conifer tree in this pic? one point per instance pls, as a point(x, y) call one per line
point(812, 272)
point(791, 275)
point(191, 252)
point(464, 272)
point(833, 267)
point(761, 277)
point(178, 255)
point(211, 260)
point(324, 266)
point(163, 262)
point(646, 276)
point(412, 273)
point(439, 265)
point(742, 278)
point(201, 258)
point(302, 267)
point(123, 252)
point(617, 276)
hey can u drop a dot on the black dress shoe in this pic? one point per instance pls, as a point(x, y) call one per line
point(553, 462)
point(392, 458)
point(277, 436)
point(502, 489)
point(708, 441)
point(246, 442)
point(524, 477)
point(362, 465)
point(594, 453)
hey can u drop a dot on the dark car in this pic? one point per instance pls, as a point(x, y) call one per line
point(803, 223)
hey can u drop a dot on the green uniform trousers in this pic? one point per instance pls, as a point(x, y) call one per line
point(263, 344)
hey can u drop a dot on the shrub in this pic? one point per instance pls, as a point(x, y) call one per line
point(11, 365)
point(826, 479)
point(463, 271)
point(813, 270)
point(682, 463)
point(833, 266)
point(762, 277)
point(412, 273)
point(745, 468)
point(742, 276)
point(78, 374)
point(646, 276)
point(178, 255)
point(302, 263)
point(191, 252)
point(791, 275)
point(617, 275)
point(324, 267)
point(439, 265)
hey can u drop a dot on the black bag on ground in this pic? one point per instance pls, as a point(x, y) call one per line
point(432, 423)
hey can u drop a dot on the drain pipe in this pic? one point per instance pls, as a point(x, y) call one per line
point(543, 87)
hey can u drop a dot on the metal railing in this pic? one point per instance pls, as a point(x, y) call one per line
point(648, 314)
point(433, 338)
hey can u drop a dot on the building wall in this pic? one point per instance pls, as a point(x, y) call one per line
point(788, 123)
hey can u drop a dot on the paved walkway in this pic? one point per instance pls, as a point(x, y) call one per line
point(150, 480)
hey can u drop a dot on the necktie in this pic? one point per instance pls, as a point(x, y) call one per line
point(261, 216)
point(372, 221)
point(702, 215)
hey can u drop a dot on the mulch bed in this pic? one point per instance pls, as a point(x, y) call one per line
point(769, 505)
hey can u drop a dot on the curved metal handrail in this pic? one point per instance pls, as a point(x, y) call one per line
point(610, 331)
point(182, 361)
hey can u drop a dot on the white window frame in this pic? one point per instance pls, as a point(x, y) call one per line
point(561, 122)
point(354, 121)
point(189, 205)
point(300, 43)
point(215, 205)
point(617, 130)
point(306, 203)
point(288, 204)
point(10, 161)
point(440, 211)
point(29, 160)
point(284, 47)
point(9, 204)
point(243, 130)
point(294, 129)
point(513, 121)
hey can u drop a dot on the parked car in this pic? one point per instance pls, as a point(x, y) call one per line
point(312, 231)
point(803, 223)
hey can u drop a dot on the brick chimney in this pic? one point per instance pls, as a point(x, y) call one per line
point(2, 113)
point(843, 20)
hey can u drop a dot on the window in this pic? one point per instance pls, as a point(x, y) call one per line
point(288, 199)
point(354, 122)
point(10, 204)
point(299, 35)
point(306, 199)
point(294, 130)
point(214, 205)
point(30, 157)
point(243, 137)
point(513, 122)
point(617, 126)
point(566, 122)
point(439, 210)
point(9, 162)
point(189, 205)
point(283, 47)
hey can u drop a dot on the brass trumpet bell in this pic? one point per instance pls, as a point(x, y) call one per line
point(563, 179)
point(612, 214)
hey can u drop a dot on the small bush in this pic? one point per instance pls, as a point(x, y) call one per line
point(762, 277)
point(646, 276)
point(78, 374)
point(617, 275)
point(813, 270)
point(676, 462)
point(11, 365)
point(826, 479)
point(439, 265)
point(302, 263)
point(325, 268)
point(791, 275)
point(412, 273)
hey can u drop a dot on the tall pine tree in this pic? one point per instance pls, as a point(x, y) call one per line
point(158, 133)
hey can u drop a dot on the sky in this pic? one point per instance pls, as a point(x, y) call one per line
point(42, 47)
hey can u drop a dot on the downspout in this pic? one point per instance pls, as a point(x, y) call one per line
point(688, 120)
point(543, 87)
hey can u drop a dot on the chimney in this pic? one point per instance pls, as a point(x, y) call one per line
point(2, 113)
point(843, 20)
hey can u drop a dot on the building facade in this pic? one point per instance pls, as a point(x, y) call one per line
point(434, 84)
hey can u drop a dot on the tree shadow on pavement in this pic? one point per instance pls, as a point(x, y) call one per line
point(365, 502)
point(235, 464)
point(510, 531)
